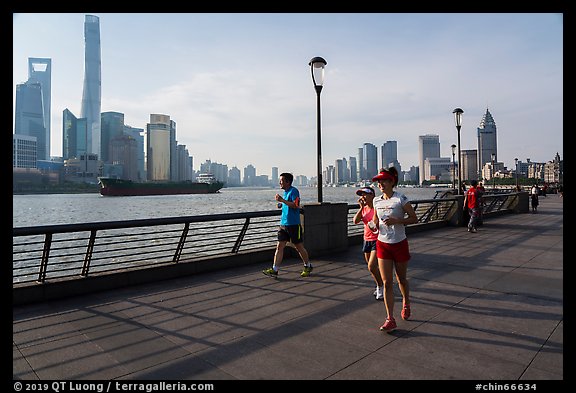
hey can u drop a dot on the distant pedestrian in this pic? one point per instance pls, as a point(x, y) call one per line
point(290, 228)
point(472, 204)
point(365, 215)
point(481, 191)
point(534, 197)
point(392, 212)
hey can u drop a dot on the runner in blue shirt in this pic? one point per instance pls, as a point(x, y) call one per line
point(290, 228)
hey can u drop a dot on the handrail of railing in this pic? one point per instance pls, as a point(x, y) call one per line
point(66, 228)
point(66, 250)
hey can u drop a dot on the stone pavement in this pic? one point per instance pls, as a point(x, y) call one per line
point(486, 306)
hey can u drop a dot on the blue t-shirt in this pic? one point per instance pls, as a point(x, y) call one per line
point(291, 216)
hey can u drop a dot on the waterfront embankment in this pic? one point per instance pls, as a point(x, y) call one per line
point(486, 306)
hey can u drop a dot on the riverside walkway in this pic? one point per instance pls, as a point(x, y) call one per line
point(486, 306)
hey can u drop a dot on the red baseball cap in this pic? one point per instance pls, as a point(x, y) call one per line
point(383, 176)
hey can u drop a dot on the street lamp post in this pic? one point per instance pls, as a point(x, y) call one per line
point(516, 161)
point(317, 65)
point(458, 118)
point(453, 167)
point(493, 156)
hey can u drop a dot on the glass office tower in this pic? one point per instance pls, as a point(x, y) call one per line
point(91, 95)
point(29, 115)
point(40, 71)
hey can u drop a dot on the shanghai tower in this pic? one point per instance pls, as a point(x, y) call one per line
point(91, 95)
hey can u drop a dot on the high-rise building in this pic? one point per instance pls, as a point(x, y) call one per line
point(275, 177)
point(353, 169)
point(389, 154)
point(341, 171)
point(91, 94)
point(29, 115)
point(40, 71)
point(157, 147)
point(428, 147)
point(24, 151)
point(360, 164)
point(487, 141)
point(184, 164)
point(234, 177)
point(249, 175)
point(469, 165)
point(74, 136)
point(122, 158)
point(112, 126)
point(138, 135)
point(370, 160)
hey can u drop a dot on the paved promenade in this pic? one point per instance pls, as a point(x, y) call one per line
point(485, 307)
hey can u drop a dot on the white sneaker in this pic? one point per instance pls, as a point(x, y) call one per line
point(380, 293)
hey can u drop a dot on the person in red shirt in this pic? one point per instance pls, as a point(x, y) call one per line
point(365, 215)
point(472, 203)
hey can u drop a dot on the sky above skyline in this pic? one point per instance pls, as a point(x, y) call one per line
point(240, 90)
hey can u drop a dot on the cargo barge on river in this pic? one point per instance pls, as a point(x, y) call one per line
point(119, 187)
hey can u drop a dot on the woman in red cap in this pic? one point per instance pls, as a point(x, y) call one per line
point(365, 215)
point(392, 212)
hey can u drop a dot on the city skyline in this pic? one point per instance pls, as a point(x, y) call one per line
point(239, 87)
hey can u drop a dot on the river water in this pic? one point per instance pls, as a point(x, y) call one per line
point(52, 209)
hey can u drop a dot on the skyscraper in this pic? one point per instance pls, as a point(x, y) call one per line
point(389, 154)
point(487, 140)
point(74, 136)
point(40, 71)
point(111, 126)
point(29, 115)
point(91, 95)
point(157, 147)
point(428, 147)
point(370, 160)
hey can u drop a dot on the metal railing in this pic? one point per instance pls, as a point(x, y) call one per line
point(427, 211)
point(60, 251)
point(66, 251)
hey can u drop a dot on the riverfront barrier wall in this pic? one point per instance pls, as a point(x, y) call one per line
point(52, 262)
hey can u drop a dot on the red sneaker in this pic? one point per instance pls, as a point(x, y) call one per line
point(389, 325)
point(406, 312)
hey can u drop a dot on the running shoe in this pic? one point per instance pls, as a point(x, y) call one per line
point(389, 325)
point(306, 272)
point(406, 312)
point(270, 272)
point(380, 293)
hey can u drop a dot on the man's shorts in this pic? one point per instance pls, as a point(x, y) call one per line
point(398, 252)
point(291, 233)
point(369, 246)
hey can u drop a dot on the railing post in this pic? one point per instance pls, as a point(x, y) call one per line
point(241, 236)
point(44, 261)
point(181, 243)
point(88, 256)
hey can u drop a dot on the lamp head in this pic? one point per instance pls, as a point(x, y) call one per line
point(317, 65)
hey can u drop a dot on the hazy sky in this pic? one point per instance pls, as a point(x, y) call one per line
point(240, 90)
